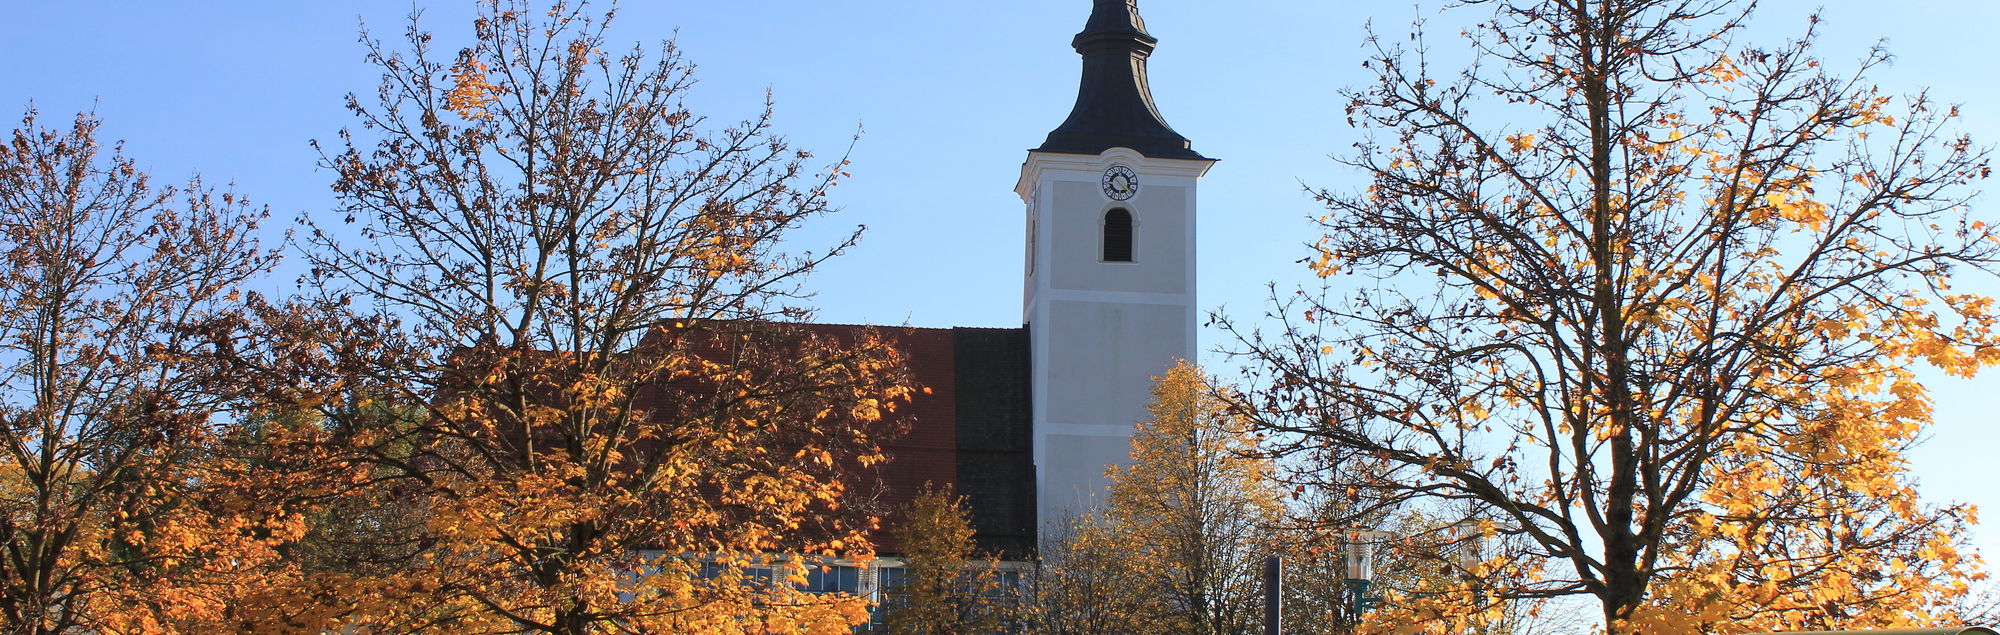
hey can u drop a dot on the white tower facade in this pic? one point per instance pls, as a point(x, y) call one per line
point(1110, 279)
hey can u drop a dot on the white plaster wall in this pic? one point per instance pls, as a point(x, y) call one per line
point(1102, 331)
point(1160, 222)
point(1102, 357)
point(1069, 482)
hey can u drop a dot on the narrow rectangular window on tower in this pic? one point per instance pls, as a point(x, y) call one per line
point(1118, 235)
point(1032, 246)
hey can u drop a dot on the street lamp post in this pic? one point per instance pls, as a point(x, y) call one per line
point(1360, 552)
point(1471, 544)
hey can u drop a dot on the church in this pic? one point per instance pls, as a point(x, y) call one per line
point(1023, 422)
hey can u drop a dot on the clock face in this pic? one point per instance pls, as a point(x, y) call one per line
point(1120, 183)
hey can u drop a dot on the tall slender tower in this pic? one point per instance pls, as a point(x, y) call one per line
point(1110, 300)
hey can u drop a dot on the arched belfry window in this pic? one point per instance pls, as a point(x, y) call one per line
point(1118, 235)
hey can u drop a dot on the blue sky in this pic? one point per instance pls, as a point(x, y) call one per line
point(950, 94)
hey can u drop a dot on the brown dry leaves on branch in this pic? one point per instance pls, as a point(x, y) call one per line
point(560, 347)
point(125, 504)
point(1679, 307)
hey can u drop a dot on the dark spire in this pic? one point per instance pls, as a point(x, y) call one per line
point(1114, 105)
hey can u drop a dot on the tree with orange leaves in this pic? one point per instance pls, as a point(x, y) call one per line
point(946, 589)
point(125, 505)
point(1200, 507)
point(575, 359)
point(1650, 304)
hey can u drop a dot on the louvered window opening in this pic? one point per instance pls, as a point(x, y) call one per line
point(1118, 235)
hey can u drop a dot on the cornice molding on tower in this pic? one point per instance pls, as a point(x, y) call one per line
point(1084, 167)
point(1121, 297)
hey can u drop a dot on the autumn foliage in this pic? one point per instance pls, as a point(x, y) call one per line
point(1645, 316)
point(124, 505)
point(584, 380)
point(1200, 508)
point(1652, 303)
point(547, 375)
point(946, 588)
point(1178, 544)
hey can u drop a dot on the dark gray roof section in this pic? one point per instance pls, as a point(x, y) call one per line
point(996, 460)
point(1114, 104)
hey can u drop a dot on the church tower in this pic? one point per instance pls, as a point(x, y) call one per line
point(1110, 280)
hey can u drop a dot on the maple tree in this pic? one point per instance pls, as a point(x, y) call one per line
point(558, 330)
point(126, 501)
point(1650, 305)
